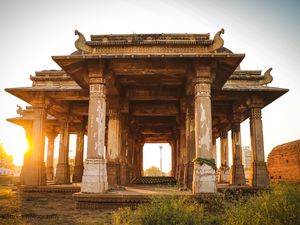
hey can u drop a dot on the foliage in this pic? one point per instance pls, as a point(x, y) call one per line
point(279, 206)
point(153, 172)
point(6, 160)
point(160, 211)
point(209, 162)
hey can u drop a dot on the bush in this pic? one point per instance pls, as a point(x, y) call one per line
point(162, 210)
point(279, 206)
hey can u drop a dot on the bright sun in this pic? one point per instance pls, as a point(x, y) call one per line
point(17, 147)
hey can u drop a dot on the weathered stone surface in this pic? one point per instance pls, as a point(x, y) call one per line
point(284, 162)
point(259, 177)
point(94, 178)
point(224, 174)
point(204, 179)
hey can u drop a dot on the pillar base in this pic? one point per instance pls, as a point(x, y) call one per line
point(180, 175)
point(189, 168)
point(78, 173)
point(224, 174)
point(94, 178)
point(259, 177)
point(123, 174)
point(113, 174)
point(50, 173)
point(237, 175)
point(204, 179)
point(33, 175)
point(62, 174)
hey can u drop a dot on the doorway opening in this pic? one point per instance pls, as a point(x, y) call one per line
point(157, 159)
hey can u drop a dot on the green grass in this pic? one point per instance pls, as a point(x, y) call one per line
point(279, 206)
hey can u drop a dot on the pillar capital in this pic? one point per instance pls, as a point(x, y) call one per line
point(114, 114)
point(223, 134)
point(255, 113)
point(202, 89)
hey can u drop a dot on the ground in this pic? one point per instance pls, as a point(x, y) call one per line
point(278, 205)
point(45, 208)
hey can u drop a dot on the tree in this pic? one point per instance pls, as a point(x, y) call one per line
point(6, 160)
point(153, 172)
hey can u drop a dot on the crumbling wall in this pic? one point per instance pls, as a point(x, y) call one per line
point(284, 162)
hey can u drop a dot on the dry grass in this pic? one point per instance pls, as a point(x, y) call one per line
point(45, 208)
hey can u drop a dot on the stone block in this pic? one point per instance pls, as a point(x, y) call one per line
point(204, 179)
point(259, 177)
point(94, 178)
point(33, 174)
point(224, 174)
point(62, 174)
point(113, 174)
point(78, 173)
point(237, 175)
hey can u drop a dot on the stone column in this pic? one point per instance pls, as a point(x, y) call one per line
point(182, 150)
point(204, 177)
point(137, 158)
point(113, 147)
point(35, 171)
point(214, 149)
point(130, 156)
point(51, 135)
point(94, 178)
point(237, 174)
point(124, 151)
point(63, 168)
point(258, 172)
point(224, 171)
point(190, 146)
point(174, 158)
point(26, 162)
point(78, 168)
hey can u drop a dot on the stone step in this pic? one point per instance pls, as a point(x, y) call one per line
point(155, 180)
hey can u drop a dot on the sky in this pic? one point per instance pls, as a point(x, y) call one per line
point(267, 31)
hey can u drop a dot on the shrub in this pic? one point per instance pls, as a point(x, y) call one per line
point(161, 210)
point(279, 206)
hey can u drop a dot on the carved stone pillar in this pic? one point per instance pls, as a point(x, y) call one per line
point(35, 170)
point(114, 147)
point(137, 158)
point(237, 174)
point(174, 158)
point(141, 158)
point(258, 173)
point(51, 135)
point(26, 161)
point(204, 179)
point(182, 150)
point(224, 171)
point(214, 149)
point(177, 145)
point(94, 178)
point(63, 168)
point(130, 156)
point(124, 153)
point(190, 146)
point(78, 168)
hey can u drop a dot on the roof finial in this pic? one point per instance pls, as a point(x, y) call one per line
point(267, 77)
point(80, 43)
point(218, 42)
point(20, 110)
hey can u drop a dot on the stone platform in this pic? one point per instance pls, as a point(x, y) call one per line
point(71, 188)
point(131, 196)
